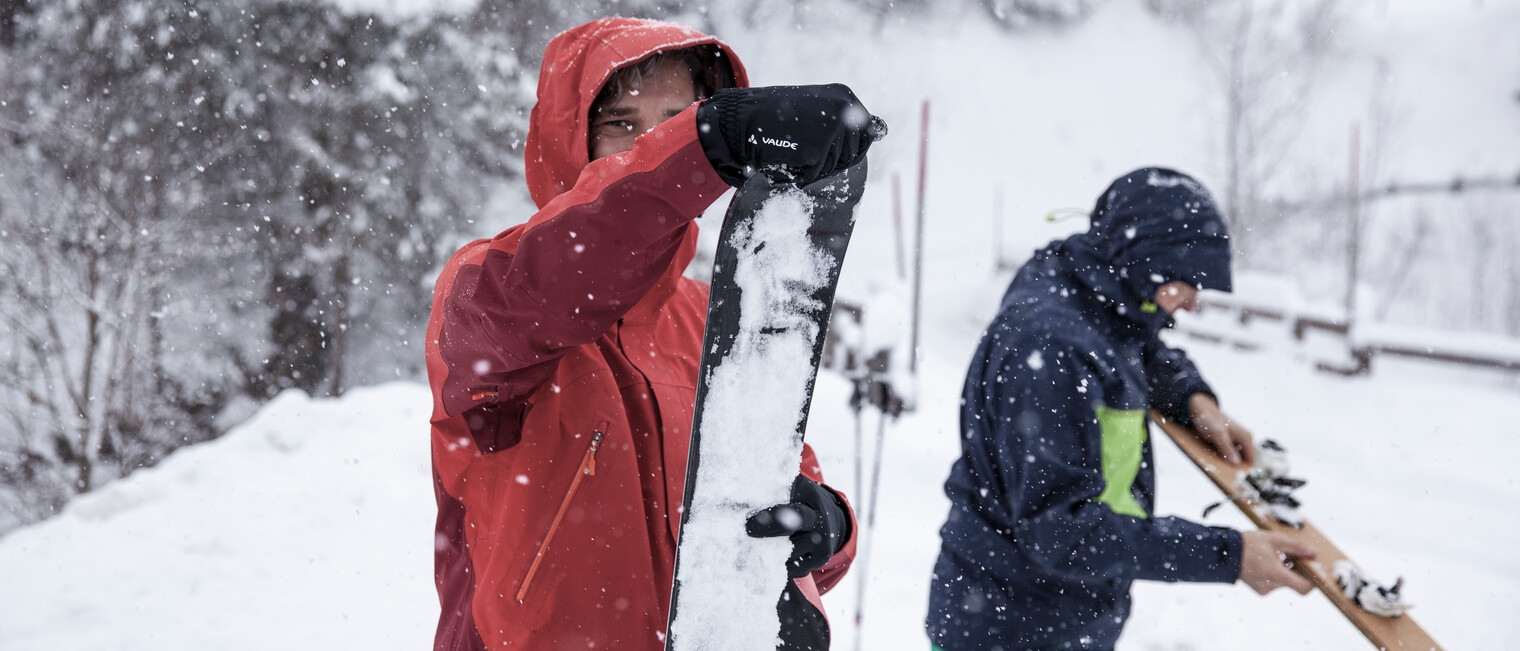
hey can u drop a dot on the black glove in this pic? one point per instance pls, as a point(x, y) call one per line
point(802, 133)
point(815, 520)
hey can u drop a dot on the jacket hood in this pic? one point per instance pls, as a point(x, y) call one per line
point(1151, 227)
point(577, 63)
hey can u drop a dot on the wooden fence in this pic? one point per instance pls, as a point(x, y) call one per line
point(1362, 349)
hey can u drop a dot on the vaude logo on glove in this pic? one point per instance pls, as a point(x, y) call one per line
point(784, 144)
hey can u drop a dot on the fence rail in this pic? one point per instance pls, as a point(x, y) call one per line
point(1361, 348)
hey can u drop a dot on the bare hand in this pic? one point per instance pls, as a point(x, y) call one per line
point(1262, 563)
point(1228, 437)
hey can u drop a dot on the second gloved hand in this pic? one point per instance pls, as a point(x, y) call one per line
point(804, 132)
point(815, 520)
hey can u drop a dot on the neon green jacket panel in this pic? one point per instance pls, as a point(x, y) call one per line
point(1123, 432)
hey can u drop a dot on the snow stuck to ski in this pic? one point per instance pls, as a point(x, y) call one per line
point(730, 583)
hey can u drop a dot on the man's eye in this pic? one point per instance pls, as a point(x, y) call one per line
point(615, 125)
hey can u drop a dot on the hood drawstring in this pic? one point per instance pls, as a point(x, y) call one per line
point(1066, 214)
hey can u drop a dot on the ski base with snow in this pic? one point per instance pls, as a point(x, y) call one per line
point(1397, 632)
point(774, 276)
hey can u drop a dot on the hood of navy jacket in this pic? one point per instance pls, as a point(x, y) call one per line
point(1150, 227)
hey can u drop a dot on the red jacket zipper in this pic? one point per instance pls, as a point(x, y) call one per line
point(587, 468)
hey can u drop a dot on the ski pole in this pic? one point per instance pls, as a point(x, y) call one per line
point(857, 402)
point(870, 528)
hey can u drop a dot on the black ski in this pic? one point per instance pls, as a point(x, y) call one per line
point(795, 313)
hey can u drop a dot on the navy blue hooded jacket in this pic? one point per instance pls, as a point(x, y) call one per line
point(1052, 496)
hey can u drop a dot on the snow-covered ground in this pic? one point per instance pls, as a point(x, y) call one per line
point(1407, 472)
point(311, 525)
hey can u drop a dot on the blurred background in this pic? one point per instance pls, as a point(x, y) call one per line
point(206, 205)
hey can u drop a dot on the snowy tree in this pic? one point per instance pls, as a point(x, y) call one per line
point(199, 201)
point(1019, 14)
point(9, 10)
point(379, 139)
point(531, 23)
point(1266, 59)
point(116, 116)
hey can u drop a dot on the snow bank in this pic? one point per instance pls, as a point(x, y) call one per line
point(308, 527)
point(311, 526)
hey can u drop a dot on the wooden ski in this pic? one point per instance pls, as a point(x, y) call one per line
point(1386, 633)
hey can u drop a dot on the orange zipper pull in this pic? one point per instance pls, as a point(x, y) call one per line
point(596, 442)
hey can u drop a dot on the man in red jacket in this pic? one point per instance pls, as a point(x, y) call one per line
point(563, 353)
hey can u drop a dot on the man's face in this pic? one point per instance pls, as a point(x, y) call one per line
point(641, 108)
point(1176, 295)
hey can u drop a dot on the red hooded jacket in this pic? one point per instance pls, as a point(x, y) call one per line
point(563, 357)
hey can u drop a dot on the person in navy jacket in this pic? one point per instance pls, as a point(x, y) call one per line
point(1051, 500)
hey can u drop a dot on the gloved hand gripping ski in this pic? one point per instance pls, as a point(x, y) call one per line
point(815, 520)
point(794, 133)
